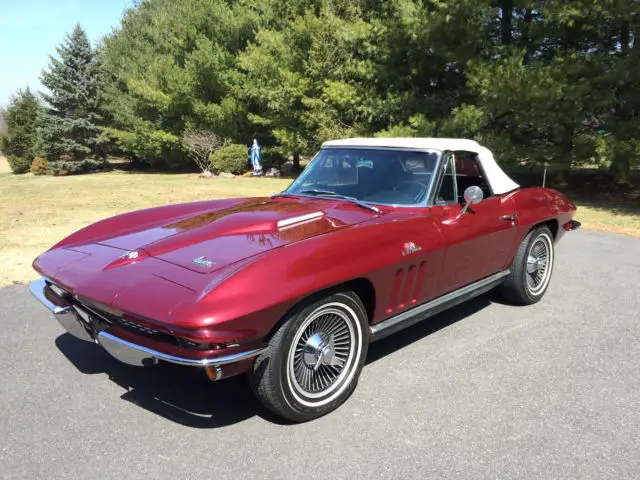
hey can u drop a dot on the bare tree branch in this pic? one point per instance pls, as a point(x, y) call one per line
point(201, 144)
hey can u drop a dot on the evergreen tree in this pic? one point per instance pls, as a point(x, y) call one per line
point(21, 142)
point(540, 82)
point(172, 66)
point(70, 125)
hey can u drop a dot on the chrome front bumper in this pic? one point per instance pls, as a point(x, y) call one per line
point(123, 350)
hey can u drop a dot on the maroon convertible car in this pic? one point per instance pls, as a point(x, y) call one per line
point(373, 236)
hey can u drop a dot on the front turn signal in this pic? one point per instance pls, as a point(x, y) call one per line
point(214, 373)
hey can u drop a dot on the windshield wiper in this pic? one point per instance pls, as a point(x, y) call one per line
point(321, 192)
point(329, 193)
point(283, 194)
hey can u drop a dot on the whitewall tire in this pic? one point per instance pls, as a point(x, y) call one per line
point(531, 268)
point(314, 358)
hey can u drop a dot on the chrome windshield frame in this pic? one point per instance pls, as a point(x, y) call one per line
point(427, 202)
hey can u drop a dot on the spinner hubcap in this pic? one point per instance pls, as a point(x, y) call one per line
point(320, 349)
point(322, 353)
point(538, 264)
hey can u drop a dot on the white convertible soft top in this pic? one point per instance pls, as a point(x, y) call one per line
point(498, 180)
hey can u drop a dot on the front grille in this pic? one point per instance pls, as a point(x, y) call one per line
point(189, 344)
point(136, 326)
point(91, 308)
point(106, 318)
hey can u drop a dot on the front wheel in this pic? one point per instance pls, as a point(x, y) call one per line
point(314, 358)
point(531, 268)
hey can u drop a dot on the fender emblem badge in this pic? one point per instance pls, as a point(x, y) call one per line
point(202, 262)
point(409, 248)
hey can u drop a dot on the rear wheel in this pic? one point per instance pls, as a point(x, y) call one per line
point(314, 358)
point(531, 269)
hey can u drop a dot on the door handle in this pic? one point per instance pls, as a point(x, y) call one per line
point(509, 218)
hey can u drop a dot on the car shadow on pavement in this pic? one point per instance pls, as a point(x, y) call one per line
point(181, 394)
point(185, 396)
point(403, 338)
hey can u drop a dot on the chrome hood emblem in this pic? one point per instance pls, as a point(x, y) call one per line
point(203, 262)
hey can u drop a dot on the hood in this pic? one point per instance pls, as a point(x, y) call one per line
point(212, 238)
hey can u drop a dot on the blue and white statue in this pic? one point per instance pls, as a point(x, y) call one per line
point(256, 158)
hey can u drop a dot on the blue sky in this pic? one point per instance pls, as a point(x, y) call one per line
point(31, 29)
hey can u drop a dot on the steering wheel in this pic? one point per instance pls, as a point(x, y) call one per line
point(417, 193)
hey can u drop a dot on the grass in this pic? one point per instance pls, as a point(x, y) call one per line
point(609, 218)
point(36, 212)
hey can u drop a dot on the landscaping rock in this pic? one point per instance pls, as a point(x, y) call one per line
point(226, 175)
point(206, 174)
point(272, 172)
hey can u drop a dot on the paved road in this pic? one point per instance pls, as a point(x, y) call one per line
point(484, 391)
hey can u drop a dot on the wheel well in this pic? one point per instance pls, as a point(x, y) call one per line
point(360, 286)
point(552, 224)
point(364, 289)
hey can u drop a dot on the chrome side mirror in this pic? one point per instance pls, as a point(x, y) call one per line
point(472, 195)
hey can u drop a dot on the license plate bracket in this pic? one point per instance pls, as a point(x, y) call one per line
point(92, 323)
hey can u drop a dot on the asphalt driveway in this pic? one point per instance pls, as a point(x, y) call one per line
point(485, 390)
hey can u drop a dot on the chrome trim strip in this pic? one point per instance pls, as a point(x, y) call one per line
point(37, 289)
point(401, 317)
point(133, 354)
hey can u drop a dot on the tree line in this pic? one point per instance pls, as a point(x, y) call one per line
point(546, 82)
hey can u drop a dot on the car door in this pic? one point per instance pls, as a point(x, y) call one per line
point(480, 241)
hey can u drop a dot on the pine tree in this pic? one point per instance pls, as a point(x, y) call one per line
point(70, 129)
point(21, 142)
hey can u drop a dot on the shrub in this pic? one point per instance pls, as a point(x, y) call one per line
point(39, 166)
point(233, 158)
point(70, 167)
point(201, 144)
point(272, 158)
point(19, 164)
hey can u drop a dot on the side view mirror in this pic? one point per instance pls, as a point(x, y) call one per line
point(472, 195)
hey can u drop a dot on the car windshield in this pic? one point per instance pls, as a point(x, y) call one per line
point(392, 177)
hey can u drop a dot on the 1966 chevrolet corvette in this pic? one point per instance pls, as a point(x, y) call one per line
point(374, 236)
